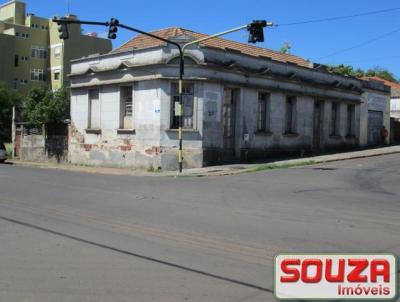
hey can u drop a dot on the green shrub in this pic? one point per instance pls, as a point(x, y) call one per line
point(9, 148)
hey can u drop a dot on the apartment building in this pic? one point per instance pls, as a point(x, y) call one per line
point(32, 53)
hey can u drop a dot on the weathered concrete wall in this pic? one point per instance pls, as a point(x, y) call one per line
point(33, 148)
point(39, 148)
point(153, 143)
point(372, 100)
point(150, 144)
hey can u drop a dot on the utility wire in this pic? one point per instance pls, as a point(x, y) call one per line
point(340, 17)
point(361, 44)
point(373, 59)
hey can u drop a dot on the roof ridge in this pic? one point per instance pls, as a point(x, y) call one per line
point(253, 50)
point(245, 44)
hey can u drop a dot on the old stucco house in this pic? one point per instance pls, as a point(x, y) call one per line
point(394, 106)
point(241, 102)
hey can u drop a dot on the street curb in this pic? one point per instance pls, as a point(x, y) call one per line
point(292, 163)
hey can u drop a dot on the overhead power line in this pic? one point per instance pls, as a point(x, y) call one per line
point(374, 59)
point(361, 44)
point(340, 17)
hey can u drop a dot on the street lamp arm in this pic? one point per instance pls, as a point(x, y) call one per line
point(150, 35)
point(213, 36)
point(158, 38)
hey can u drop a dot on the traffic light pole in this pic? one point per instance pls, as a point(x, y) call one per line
point(181, 70)
point(180, 84)
point(182, 60)
point(115, 23)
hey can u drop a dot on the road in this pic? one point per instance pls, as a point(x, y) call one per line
point(67, 236)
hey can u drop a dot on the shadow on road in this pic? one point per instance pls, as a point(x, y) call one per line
point(170, 264)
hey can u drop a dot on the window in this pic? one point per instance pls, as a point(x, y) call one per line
point(17, 34)
point(38, 75)
point(126, 99)
point(351, 119)
point(39, 53)
point(263, 119)
point(94, 109)
point(290, 120)
point(16, 60)
point(15, 84)
point(57, 75)
point(188, 99)
point(335, 119)
point(57, 51)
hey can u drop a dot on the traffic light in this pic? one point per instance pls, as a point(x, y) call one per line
point(63, 30)
point(113, 29)
point(256, 31)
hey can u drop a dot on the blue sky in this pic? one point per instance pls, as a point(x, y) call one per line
point(311, 41)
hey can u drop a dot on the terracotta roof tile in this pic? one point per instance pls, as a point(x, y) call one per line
point(386, 82)
point(142, 42)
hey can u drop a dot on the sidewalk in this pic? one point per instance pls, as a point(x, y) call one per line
point(218, 170)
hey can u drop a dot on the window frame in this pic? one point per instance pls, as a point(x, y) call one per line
point(57, 51)
point(90, 107)
point(264, 117)
point(38, 75)
point(174, 97)
point(39, 53)
point(123, 109)
point(290, 115)
point(57, 72)
point(335, 119)
point(351, 120)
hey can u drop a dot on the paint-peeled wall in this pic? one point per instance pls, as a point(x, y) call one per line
point(143, 146)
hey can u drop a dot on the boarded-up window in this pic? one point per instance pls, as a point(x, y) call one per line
point(94, 109)
point(290, 120)
point(335, 116)
point(263, 116)
point(126, 95)
point(188, 99)
point(351, 120)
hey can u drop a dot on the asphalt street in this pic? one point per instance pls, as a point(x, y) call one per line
point(68, 236)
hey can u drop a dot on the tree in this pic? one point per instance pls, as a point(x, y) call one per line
point(348, 70)
point(382, 73)
point(43, 106)
point(8, 99)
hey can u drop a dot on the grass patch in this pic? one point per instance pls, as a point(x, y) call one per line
point(154, 170)
point(266, 167)
point(9, 148)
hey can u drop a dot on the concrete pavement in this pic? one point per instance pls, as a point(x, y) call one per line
point(71, 236)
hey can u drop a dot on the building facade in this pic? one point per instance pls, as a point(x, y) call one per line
point(31, 52)
point(394, 106)
point(241, 102)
